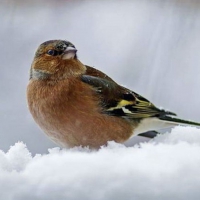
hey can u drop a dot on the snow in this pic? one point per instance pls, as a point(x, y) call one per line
point(166, 167)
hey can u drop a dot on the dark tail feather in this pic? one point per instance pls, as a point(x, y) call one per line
point(178, 121)
point(164, 113)
point(149, 134)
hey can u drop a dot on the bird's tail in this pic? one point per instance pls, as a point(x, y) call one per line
point(168, 121)
point(178, 121)
point(161, 122)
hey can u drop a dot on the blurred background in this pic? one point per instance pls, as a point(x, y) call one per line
point(150, 46)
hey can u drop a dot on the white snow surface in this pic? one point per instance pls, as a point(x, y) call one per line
point(167, 167)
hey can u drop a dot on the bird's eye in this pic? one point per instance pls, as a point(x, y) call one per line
point(52, 52)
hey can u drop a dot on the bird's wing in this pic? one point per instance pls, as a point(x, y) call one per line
point(97, 73)
point(119, 101)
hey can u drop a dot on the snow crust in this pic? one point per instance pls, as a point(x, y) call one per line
point(167, 167)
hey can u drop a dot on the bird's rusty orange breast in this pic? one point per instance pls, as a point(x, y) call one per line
point(69, 113)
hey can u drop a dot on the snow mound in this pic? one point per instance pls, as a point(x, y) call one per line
point(167, 167)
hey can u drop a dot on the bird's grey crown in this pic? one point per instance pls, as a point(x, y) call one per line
point(59, 44)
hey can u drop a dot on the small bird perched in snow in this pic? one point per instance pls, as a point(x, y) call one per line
point(75, 104)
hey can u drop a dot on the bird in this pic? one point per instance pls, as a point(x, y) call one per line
point(78, 105)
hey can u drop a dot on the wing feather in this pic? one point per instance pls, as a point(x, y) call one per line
point(120, 101)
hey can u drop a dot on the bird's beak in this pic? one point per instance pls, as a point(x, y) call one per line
point(70, 52)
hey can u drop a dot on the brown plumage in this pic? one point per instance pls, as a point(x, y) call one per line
point(75, 104)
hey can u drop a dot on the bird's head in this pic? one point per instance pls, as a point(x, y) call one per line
point(55, 57)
